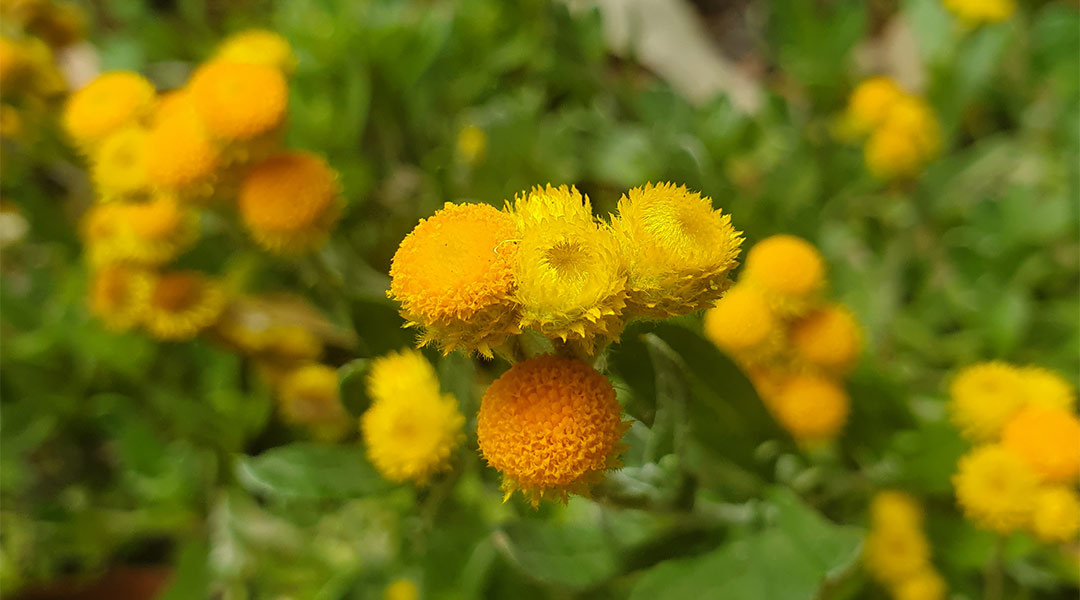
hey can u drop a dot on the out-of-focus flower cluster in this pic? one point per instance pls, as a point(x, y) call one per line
point(1022, 472)
point(897, 553)
point(795, 346)
point(980, 12)
point(901, 132)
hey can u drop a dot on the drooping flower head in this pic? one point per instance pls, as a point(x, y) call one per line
point(180, 304)
point(260, 47)
point(1048, 439)
point(827, 338)
point(995, 488)
point(289, 202)
point(410, 430)
point(239, 101)
point(983, 397)
point(571, 280)
point(114, 296)
point(118, 167)
point(308, 396)
point(869, 103)
point(679, 250)
point(1043, 387)
point(113, 100)
point(789, 271)
point(454, 277)
point(551, 426)
point(1055, 518)
point(811, 408)
point(743, 325)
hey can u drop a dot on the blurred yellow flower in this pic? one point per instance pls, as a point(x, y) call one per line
point(179, 153)
point(811, 408)
point(401, 589)
point(995, 488)
point(982, 397)
point(926, 584)
point(894, 508)
point(308, 396)
point(260, 47)
point(114, 296)
point(679, 250)
point(895, 553)
point(789, 271)
point(471, 144)
point(180, 304)
point(869, 103)
point(239, 101)
point(976, 12)
point(118, 166)
point(107, 103)
point(1048, 439)
point(1043, 387)
point(289, 202)
point(827, 338)
point(453, 275)
point(14, 64)
point(410, 430)
point(743, 325)
point(1055, 518)
point(155, 232)
point(551, 426)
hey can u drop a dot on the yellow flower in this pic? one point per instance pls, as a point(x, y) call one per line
point(1055, 518)
point(995, 488)
point(905, 141)
point(827, 338)
point(788, 270)
point(156, 232)
point(454, 277)
point(1048, 439)
point(401, 589)
point(114, 296)
point(976, 12)
point(100, 230)
point(811, 408)
point(1046, 388)
point(260, 47)
point(410, 430)
point(870, 102)
point(894, 553)
point(111, 101)
point(308, 396)
point(60, 24)
point(926, 584)
point(179, 153)
point(180, 304)
point(571, 280)
point(239, 101)
point(983, 397)
point(15, 64)
point(471, 144)
point(11, 122)
point(680, 251)
point(118, 167)
point(551, 426)
point(289, 202)
point(743, 325)
point(894, 508)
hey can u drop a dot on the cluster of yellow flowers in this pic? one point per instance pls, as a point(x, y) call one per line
point(896, 551)
point(978, 12)
point(901, 130)
point(473, 277)
point(795, 346)
point(1023, 470)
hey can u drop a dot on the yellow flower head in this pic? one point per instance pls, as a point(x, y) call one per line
point(454, 277)
point(114, 296)
point(1046, 388)
point(118, 166)
point(179, 153)
point(471, 144)
point(789, 271)
point(239, 101)
point(410, 430)
point(180, 304)
point(401, 589)
point(742, 324)
point(571, 280)
point(15, 63)
point(101, 227)
point(1055, 518)
point(811, 408)
point(1048, 439)
point(156, 232)
point(60, 24)
point(995, 488)
point(892, 153)
point(893, 508)
point(913, 115)
point(551, 426)
point(111, 101)
point(289, 202)
point(926, 584)
point(827, 338)
point(259, 47)
point(977, 12)
point(308, 397)
point(870, 102)
point(893, 554)
point(983, 397)
point(680, 251)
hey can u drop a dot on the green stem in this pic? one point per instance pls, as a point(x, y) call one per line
point(994, 575)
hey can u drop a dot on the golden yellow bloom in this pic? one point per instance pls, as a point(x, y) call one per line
point(983, 397)
point(239, 101)
point(114, 296)
point(1046, 388)
point(1048, 439)
point(926, 584)
point(893, 508)
point(742, 324)
point(870, 102)
point(680, 251)
point(410, 430)
point(259, 47)
point(401, 589)
point(309, 397)
point(118, 167)
point(471, 144)
point(111, 101)
point(101, 228)
point(811, 408)
point(551, 426)
point(179, 153)
point(892, 153)
point(180, 304)
point(11, 122)
point(571, 279)
point(454, 277)
point(155, 232)
point(1055, 518)
point(14, 64)
point(893, 554)
point(995, 488)
point(976, 12)
point(827, 338)
point(789, 271)
point(289, 202)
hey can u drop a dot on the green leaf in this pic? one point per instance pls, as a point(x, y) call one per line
point(310, 471)
point(352, 386)
point(573, 555)
point(192, 575)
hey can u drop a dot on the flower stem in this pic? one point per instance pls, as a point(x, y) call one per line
point(994, 575)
